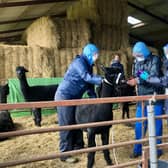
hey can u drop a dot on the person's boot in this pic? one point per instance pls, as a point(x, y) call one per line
point(69, 159)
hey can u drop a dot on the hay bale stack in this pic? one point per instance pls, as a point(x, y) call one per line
point(41, 61)
point(109, 21)
point(63, 58)
point(11, 56)
point(85, 9)
point(113, 12)
point(38, 59)
point(108, 37)
point(73, 34)
point(42, 32)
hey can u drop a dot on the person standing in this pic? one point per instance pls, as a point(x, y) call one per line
point(117, 64)
point(159, 81)
point(78, 78)
point(151, 64)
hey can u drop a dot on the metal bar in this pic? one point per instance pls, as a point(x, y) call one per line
point(145, 156)
point(71, 127)
point(68, 127)
point(28, 3)
point(43, 104)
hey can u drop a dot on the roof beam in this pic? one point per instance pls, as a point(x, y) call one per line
point(148, 13)
point(137, 38)
point(30, 19)
point(10, 38)
point(12, 31)
point(32, 2)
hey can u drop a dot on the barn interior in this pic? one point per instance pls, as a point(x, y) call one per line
point(45, 35)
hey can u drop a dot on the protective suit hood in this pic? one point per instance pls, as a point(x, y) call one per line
point(142, 49)
point(88, 51)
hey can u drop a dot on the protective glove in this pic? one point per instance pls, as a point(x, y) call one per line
point(143, 75)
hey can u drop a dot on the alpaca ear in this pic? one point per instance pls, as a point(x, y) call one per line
point(26, 70)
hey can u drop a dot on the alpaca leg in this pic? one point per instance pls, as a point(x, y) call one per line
point(37, 116)
point(127, 109)
point(105, 141)
point(91, 143)
point(123, 110)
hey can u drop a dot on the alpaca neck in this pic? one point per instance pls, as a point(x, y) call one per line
point(23, 82)
point(107, 90)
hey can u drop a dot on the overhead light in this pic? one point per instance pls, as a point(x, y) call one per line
point(138, 25)
point(133, 21)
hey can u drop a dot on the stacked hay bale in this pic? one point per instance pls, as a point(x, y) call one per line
point(73, 33)
point(38, 59)
point(85, 9)
point(42, 32)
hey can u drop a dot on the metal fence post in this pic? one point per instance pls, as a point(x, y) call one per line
point(152, 134)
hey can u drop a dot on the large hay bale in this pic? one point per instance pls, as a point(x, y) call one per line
point(42, 32)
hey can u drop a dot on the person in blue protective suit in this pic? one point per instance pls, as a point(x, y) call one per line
point(159, 81)
point(144, 60)
point(78, 79)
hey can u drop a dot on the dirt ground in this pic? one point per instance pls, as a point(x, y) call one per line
point(22, 147)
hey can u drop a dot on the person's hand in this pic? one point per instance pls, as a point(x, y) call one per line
point(132, 82)
point(143, 75)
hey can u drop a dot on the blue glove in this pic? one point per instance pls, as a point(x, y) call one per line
point(144, 75)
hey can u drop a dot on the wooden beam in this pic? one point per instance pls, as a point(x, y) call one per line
point(32, 2)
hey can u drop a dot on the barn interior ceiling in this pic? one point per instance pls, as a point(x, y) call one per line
point(17, 15)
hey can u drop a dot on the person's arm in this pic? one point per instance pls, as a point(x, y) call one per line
point(158, 81)
point(162, 81)
point(87, 76)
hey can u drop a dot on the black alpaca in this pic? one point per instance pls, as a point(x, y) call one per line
point(35, 93)
point(99, 112)
point(6, 122)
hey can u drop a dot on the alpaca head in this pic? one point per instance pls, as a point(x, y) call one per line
point(20, 71)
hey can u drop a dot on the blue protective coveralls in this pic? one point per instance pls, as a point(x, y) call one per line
point(150, 64)
point(77, 80)
point(160, 81)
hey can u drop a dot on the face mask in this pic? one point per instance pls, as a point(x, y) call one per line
point(95, 57)
point(166, 56)
point(139, 59)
